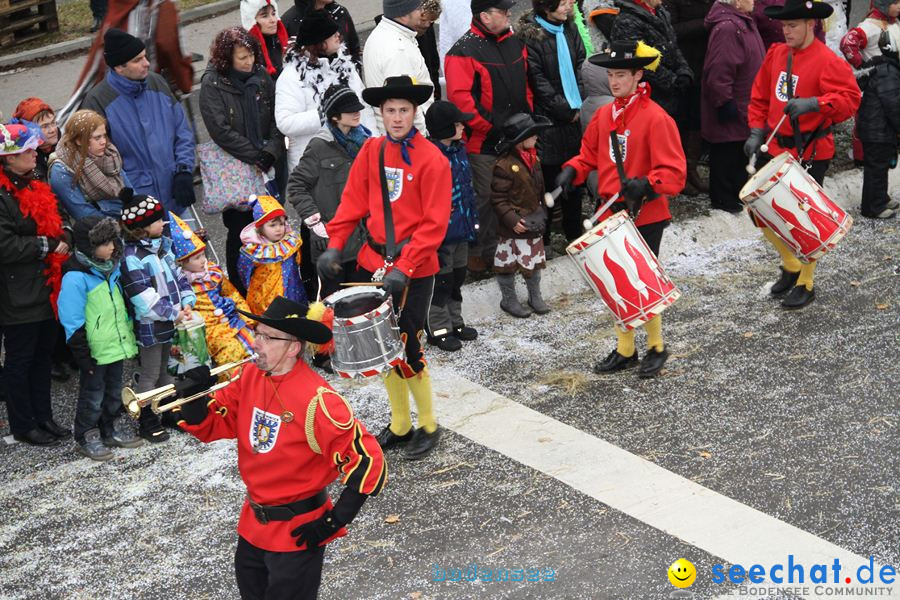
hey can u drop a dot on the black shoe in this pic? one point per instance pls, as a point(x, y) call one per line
point(733, 209)
point(37, 437)
point(155, 435)
point(653, 363)
point(422, 444)
point(389, 439)
point(464, 333)
point(784, 283)
point(447, 343)
point(323, 361)
point(54, 429)
point(798, 297)
point(616, 362)
point(58, 372)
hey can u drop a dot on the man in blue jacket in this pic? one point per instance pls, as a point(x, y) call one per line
point(146, 123)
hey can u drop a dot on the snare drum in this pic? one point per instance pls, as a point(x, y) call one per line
point(366, 336)
point(785, 198)
point(616, 262)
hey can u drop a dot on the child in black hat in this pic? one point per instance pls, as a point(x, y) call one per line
point(517, 192)
point(158, 292)
point(445, 325)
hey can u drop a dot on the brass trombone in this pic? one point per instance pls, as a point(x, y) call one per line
point(135, 401)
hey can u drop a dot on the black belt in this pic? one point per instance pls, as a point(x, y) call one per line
point(787, 141)
point(286, 512)
point(382, 249)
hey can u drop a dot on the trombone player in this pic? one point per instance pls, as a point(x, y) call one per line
point(295, 435)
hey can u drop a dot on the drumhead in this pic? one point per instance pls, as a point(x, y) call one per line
point(357, 304)
point(762, 180)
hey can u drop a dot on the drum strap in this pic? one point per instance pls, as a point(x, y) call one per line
point(795, 123)
point(617, 153)
point(389, 243)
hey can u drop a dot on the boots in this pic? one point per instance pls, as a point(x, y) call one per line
point(535, 301)
point(509, 301)
point(693, 148)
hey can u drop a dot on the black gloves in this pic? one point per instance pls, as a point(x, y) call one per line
point(195, 381)
point(394, 282)
point(264, 161)
point(183, 189)
point(636, 191)
point(800, 106)
point(315, 532)
point(728, 112)
point(751, 146)
point(319, 244)
point(329, 264)
point(565, 177)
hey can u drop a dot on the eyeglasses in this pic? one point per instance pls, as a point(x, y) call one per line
point(501, 11)
point(268, 338)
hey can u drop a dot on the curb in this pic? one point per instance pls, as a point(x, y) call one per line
point(692, 237)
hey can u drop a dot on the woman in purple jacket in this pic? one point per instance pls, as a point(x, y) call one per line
point(733, 57)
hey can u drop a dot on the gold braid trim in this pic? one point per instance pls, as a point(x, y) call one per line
point(319, 401)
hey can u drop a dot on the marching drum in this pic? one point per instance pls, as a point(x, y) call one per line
point(786, 199)
point(616, 262)
point(366, 336)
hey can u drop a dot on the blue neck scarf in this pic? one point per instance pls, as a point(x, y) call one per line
point(566, 69)
point(404, 144)
point(354, 139)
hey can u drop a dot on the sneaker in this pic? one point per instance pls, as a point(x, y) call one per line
point(122, 436)
point(155, 435)
point(422, 444)
point(464, 333)
point(388, 439)
point(447, 343)
point(887, 213)
point(93, 447)
point(893, 204)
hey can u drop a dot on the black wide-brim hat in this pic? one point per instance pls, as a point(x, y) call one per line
point(401, 87)
point(290, 317)
point(621, 55)
point(799, 9)
point(519, 127)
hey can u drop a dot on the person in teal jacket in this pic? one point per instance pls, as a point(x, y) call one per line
point(100, 333)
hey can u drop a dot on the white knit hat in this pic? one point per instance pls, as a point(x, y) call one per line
point(250, 8)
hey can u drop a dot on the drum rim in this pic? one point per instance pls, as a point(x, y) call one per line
point(620, 215)
point(760, 184)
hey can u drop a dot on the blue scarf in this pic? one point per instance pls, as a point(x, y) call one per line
point(404, 144)
point(566, 69)
point(354, 139)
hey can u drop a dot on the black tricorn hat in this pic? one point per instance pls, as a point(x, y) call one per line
point(799, 9)
point(519, 127)
point(622, 55)
point(290, 317)
point(402, 87)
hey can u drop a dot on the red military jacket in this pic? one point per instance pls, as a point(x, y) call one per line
point(420, 196)
point(650, 146)
point(289, 464)
point(816, 71)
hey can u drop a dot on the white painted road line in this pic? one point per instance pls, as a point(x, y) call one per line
point(714, 523)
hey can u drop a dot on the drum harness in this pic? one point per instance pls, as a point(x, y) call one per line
point(390, 248)
point(798, 143)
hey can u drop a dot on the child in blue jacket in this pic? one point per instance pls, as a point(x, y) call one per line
point(99, 332)
point(159, 294)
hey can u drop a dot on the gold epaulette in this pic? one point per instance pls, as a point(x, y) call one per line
point(319, 401)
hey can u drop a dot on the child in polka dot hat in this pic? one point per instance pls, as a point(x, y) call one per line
point(269, 262)
point(158, 292)
point(228, 336)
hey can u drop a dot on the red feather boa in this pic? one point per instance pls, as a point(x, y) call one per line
point(37, 202)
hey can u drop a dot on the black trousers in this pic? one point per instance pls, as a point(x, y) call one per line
point(652, 234)
point(412, 316)
point(877, 159)
point(235, 221)
point(568, 202)
point(727, 174)
point(26, 373)
point(264, 575)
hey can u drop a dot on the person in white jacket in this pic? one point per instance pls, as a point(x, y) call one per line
point(392, 50)
point(317, 61)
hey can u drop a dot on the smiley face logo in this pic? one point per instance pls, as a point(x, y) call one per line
point(682, 573)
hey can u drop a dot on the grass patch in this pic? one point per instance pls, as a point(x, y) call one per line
point(75, 21)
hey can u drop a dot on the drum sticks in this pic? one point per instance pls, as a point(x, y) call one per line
point(588, 223)
point(550, 197)
point(751, 166)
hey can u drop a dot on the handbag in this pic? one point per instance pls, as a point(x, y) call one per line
point(227, 181)
point(189, 349)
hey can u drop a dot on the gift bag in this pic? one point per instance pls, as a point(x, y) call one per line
point(227, 181)
point(188, 346)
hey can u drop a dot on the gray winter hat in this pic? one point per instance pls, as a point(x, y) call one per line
point(397, 8)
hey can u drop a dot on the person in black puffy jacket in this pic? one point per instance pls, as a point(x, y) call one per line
point(541, 29)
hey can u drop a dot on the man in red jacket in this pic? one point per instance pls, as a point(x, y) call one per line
point(487, 75)
point(295, 435)
point(653, 167)
point(805, 80)
point(418, 180)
